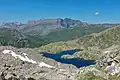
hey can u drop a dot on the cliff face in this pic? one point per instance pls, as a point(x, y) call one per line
point(67, 23)
point(45, 26)
point(42, 26)
point(59, 22)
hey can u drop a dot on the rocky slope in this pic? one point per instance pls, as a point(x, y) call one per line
point(103, 47)
point(16, 65)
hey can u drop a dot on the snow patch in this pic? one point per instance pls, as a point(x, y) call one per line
point(24, 54)
point(41, 64)
point(107, 51)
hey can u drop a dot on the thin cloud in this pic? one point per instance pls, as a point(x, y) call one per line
point(96, 13)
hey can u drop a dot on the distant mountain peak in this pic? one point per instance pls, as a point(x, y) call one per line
point(66, 22)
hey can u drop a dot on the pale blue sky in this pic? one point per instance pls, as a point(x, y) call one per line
point(23, 10)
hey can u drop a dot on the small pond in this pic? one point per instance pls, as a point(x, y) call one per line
point(78, 62)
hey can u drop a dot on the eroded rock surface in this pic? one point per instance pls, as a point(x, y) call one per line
point(12, 68)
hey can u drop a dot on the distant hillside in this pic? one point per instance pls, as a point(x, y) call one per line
point(12, 37)
point(15, 38)
point(97, 41)
point(66, 34)
point(12, 25)
point(19, 39)
point(45, 26)
point(45, 31)
point(103, 39)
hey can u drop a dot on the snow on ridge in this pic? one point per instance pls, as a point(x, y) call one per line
point(40, 64)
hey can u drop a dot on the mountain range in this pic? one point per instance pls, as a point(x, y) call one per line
point(36, 33)
point(21, 44)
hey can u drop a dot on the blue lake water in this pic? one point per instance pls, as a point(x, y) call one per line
point(78, 62)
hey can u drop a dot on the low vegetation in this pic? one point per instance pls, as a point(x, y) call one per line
point(18, 39)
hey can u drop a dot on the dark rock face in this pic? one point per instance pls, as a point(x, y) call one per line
point(67, 22)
